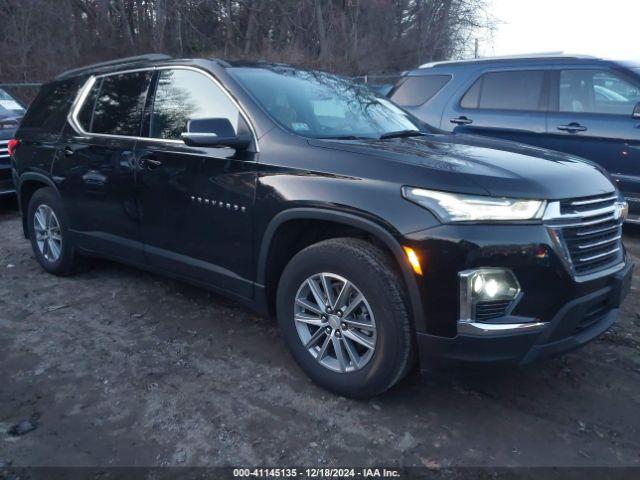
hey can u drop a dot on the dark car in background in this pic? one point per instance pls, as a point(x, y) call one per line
point(11, 112)
point(580, 105)
point(374, 239)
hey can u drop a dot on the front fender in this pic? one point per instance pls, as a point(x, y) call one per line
point(378, 231)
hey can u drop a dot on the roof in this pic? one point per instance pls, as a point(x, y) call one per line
point(127, 61)
point(532, 57)
point(150, 60)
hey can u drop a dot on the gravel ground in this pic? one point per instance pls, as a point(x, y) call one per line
point(117, 367)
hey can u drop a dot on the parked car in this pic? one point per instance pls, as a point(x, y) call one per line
point(11, 112)
point(581, 105)
point(379, 84)
point(372, 237)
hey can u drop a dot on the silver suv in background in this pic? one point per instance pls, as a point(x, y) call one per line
point(584, 106)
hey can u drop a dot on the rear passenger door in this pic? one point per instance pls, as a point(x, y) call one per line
point(593, 116)
point(504, 104)
point(196, 202)
point(96, 165)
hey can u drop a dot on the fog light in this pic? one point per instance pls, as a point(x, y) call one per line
point(485, 285)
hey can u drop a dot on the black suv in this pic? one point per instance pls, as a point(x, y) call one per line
point(371, 236)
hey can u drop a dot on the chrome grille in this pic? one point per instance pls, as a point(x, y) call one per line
point(4, 151)
point(588, 231)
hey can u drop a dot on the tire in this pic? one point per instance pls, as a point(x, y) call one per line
point(371, 272)
point(65, 262)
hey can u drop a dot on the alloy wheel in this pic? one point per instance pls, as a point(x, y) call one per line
point(335, 322)
point(48, 233)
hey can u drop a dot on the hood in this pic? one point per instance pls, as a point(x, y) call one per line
point(500, 168)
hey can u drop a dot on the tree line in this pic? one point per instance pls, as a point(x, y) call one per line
point(40, 38)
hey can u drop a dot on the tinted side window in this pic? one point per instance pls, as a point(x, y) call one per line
point(520, 90)
point(414, 91)
point(117, 103)
point(183, 95)
point(597, 91)
point(48, 112)
point(472, 97)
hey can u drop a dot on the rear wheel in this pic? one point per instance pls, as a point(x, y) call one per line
point(49, 233)
point(343, 315)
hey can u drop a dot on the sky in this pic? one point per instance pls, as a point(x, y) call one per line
point(604, 28)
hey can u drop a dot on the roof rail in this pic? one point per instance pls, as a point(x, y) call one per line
point(222, 63)
point(526, 56)
point(151, 57)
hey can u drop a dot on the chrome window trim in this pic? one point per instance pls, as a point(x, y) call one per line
point(72, 117)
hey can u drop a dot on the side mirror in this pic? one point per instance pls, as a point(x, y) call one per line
point(636, 111)
point(214, 132)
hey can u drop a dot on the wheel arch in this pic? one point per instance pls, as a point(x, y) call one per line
point(378, 232)
point(28, 184)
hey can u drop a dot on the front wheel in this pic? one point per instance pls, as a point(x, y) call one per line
point(342, 313)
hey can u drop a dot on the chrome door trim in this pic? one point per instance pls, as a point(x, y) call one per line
point(72, 117)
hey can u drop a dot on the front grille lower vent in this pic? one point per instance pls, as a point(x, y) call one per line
point(589, 231)
point(490, 310)
point(592, 316)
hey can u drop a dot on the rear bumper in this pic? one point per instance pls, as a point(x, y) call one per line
point(577, 323)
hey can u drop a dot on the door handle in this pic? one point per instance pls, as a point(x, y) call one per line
point(572, 128)
point(153, 163)
point(461, 121)
point(68, 151)
point(150, 162)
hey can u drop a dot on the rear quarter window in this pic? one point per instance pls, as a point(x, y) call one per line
point(115, 104)
point(48, 112)
point(415, 91)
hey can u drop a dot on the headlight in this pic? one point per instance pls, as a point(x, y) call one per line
point(457, 207)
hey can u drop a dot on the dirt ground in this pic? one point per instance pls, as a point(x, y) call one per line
point(117, 367)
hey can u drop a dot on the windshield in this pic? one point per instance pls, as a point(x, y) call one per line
point(9, 105)
point(321, 105)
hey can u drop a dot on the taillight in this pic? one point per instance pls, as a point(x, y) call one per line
point(12, 145)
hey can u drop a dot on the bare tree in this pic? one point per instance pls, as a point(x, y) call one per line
point(40, 38)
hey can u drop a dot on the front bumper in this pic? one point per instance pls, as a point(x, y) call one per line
point(7, 186)
point(576, 323)
point(6, 182)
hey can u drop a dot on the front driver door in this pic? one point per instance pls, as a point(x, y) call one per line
point(593, 118)
point(196, 202)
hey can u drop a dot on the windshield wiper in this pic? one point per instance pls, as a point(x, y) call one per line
point(345, 137)
point(402, 133)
